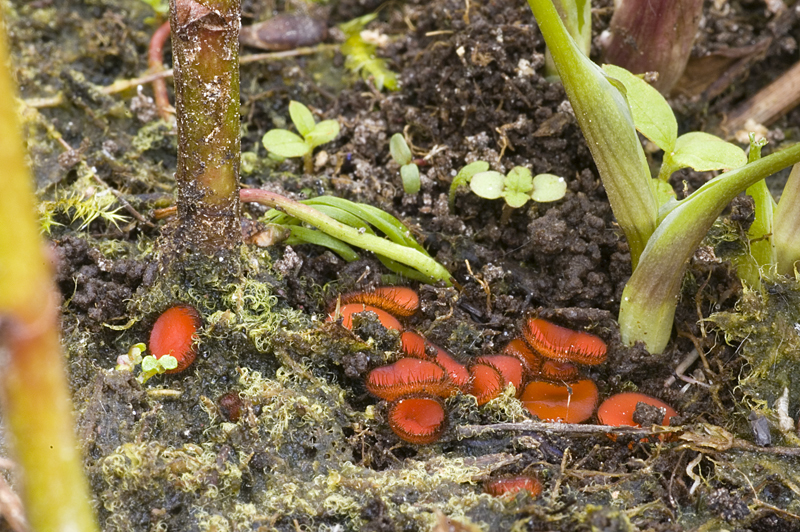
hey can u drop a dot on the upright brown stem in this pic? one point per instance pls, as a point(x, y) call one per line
point(654, 35)
point(205, 48)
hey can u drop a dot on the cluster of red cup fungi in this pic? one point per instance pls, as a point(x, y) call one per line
point(542, 364)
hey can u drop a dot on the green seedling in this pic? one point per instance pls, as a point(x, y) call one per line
point(409, 171)
point(518, 186)
point(360, 55)
point(150, 365)
point(341, 225)
point(662, 233)
point(286, 144)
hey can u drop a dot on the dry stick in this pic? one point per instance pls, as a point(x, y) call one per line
point(768, 104)
point(127, 84)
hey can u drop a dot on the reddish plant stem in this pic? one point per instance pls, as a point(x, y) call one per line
point(155, 60)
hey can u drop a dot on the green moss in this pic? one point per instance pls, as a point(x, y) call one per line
point(766, 325)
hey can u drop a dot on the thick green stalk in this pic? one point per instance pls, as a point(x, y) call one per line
point(787, 225)
point(649, 300)
point(33, 388)
point(760, 234)
point(205, 49)
point(349, 235)
point(605, 119)
point(577, 18)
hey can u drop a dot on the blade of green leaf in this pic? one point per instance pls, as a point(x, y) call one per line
point(284, 143)
point(652, 115)
point(702, 152)
point(401, 269)
point(301, 117)
point(322, 133)
point(304, 235)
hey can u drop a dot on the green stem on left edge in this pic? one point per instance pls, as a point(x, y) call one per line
point(787, 225)
point(33, 386)
point(649, 299)
point(349, 235)
point(605, 119)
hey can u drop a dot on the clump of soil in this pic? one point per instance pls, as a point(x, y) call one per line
point(272, 427)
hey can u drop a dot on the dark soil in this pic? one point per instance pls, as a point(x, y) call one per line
point(272, 428)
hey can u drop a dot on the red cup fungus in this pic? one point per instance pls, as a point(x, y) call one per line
point(346, 312)
point(573, 403)
point(417, 419)
point(409, 376)
point(509, 367)
point(498, 487)
point(562, 344)
point(396, 300)
point(486, 382)
point(175, 333)
point(618, 409)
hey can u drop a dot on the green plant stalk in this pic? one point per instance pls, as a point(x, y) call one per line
point(33, 388)
point(760, 234)
point(349, 235)
point(577, 18)
point(651, 295)
point(205, 45)
point(787, 225)
point(605, 119)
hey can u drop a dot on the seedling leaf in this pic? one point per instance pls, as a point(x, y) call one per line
point(704, 152)
point(652, 115)
point(399, 149)
point(548, 187)
point(488, 185)
point(463, 177)
point(324, 132)
point(302, 117)
point(168, 362)
point(285, 143)
point(410, 175)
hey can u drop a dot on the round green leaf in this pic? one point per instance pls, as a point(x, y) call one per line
point(302, 117)
point(399, 149)
point(516, 200)
point(149, 363)
point(488, 185)
point(548, 187)
point(324, 132)
point(410, 175)
point(168, 362)
point(285, 143)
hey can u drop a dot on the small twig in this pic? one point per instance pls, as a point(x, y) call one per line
point(471, 431)
point(125, 84)
point(768, 104)
point(127, 206)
